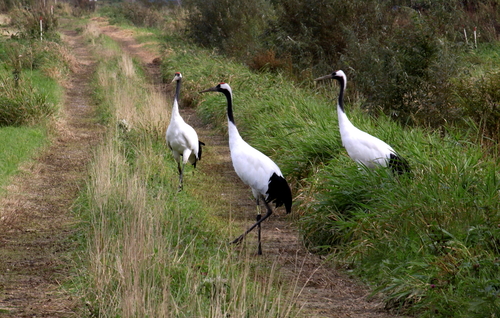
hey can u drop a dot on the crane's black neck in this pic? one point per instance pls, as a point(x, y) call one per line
point(178, 89)
point(229, 98)
point(341, 93)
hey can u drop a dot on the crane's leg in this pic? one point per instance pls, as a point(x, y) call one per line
point(259, 246)
point(179, 167)
point(259, 221)
point(259, 216)
point(181, 173)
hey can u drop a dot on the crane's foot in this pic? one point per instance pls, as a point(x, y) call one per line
point(238, 239)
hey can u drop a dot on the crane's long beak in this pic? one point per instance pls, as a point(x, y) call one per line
point(176, 78)
point(323, 77)
point(211, 89)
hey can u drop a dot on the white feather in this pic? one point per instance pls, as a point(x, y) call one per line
point(254, 169)
point(182, 138)
point(361, 146)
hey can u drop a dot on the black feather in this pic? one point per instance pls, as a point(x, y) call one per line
point(199, 152)
point(399, 164)
point(279, 192)
point(199, 149)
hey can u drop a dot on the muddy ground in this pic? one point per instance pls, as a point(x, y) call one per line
point(36, 222)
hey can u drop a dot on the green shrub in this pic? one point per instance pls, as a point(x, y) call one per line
point(49, 57)
point(315, 33)
point(479, 99)
point(23, 104)
point(407, 76)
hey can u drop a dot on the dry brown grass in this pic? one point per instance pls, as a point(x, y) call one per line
point(4, 19)
point(268, 61)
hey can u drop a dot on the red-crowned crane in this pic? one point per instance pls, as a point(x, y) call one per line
point(182, 139)
point(364, 148)
point(254, 169)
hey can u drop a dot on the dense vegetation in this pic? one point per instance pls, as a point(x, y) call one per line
point(32, 63)
point(405, 58)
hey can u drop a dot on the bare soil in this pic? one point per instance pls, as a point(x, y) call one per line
point(36, 223)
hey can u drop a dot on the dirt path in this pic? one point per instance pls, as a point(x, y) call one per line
point(36, 221)
point(36, 224)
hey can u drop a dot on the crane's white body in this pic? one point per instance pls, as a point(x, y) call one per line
point(254, 169)
point(181, 138)
point(361, 146)
point(252, 166)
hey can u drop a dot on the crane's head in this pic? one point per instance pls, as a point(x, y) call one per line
point(338, 75)
point(177, 77)
point(221, 87)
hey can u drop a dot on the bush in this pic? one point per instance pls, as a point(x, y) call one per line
point(408, 75)
point(53, 59)
point(479, 98)
point(136, 13)
point(315, 33)
point(29, 92)
point(28, 23)
point(22, 104)
point(235, 29)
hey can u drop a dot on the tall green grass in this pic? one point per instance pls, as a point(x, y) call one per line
point(428, 242)
point(34, 100)
point(151, 251)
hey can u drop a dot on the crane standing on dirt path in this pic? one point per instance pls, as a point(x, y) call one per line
point(361, 146)
point(182, 139)
point(254, 169)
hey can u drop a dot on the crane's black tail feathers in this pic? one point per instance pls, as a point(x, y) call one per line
point(200, 149)
point(399, 164)
point(279, 192)
point(199, 152)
